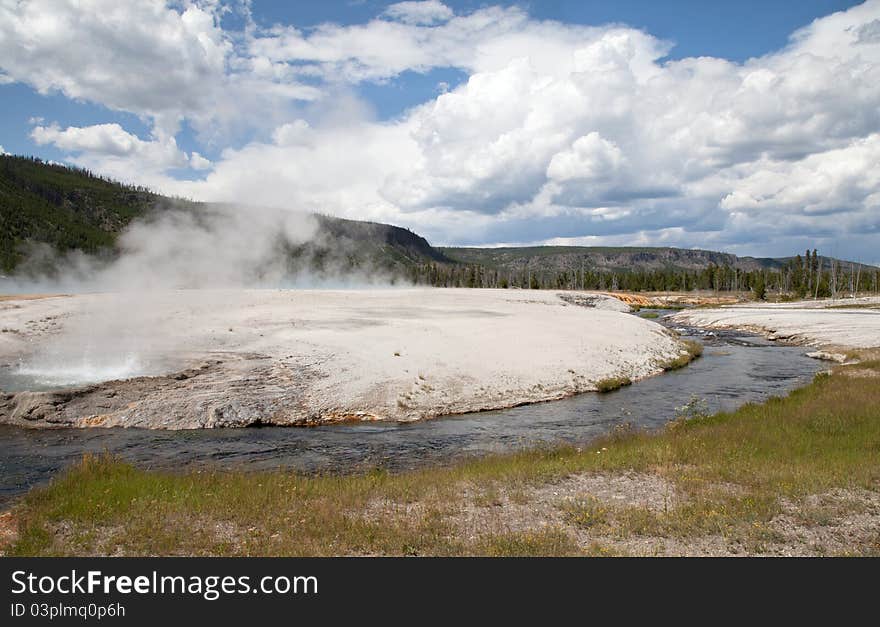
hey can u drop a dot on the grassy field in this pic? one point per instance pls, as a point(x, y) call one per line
point(797, 475)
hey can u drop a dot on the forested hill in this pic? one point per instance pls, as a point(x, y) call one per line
point(73, 209)
point(387, 244)
point(66, 208)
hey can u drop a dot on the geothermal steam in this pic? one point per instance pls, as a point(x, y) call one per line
point(176, 256)
point(214, 246)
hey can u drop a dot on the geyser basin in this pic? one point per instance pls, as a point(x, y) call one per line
point(40, 374)
point(290, 357)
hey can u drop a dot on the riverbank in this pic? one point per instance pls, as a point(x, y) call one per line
point(733, 370)
point(793, 476)
point(229, 358)
point(839, 325)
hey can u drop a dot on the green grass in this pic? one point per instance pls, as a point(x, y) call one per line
point(693, 350)
point(610, 384)
point(734, 471)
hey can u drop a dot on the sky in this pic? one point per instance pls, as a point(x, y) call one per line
point(750, 127)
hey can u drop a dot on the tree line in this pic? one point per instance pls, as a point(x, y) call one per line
point(804, 276)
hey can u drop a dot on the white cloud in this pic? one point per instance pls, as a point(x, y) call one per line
point(3, 151)
point(560, 131)
point(609, 142)
point(590, 158)
point(146, 58)
point(614, 141)
point(836, 181)
point(334, 173)
point(292, 133)
point(198, 162)
point(109, 148)
point(102, 139)
point(382, 49)
point(425, 12)
point(117, 54)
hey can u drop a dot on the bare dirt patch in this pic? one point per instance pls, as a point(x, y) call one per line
point(838, 522)
point(607, 509)
point(537, 507)
point(860, 373)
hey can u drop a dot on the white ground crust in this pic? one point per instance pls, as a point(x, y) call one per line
point(814, 323)
point(311, 356)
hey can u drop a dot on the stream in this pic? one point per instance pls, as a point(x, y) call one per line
point(736, 368)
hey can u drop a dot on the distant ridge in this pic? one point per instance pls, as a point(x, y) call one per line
point(607, 258)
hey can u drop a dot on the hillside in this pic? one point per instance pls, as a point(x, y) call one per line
point(64, 207)
point(72, 209)
point(381, 244)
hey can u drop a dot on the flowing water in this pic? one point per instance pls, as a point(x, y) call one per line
point(735, 369)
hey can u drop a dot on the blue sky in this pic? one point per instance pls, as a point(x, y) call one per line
point(677, 122)
point(731, 30)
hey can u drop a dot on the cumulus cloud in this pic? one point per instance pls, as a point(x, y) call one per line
point(325, 169)
point(868, 33)
point(111, 149)
point(108, 139)
point(842, 180)
point(560, 131)
point(590, 158)
point(615, 140)
point(109, 52)
point(143, 57)
point(198, 162)
point(292, 133)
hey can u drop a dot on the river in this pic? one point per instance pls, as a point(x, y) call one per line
point(735, 369)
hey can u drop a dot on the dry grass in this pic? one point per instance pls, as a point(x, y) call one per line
point(754, 481)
